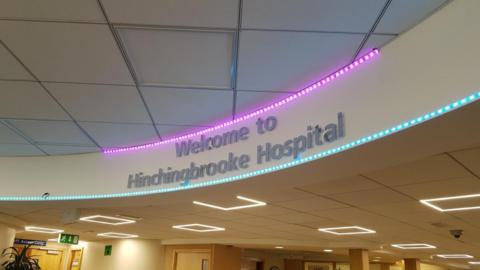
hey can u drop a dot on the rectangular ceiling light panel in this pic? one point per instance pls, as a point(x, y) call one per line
point(42, 230)
point(198, 228)
point(413, 246)
point(107, 220)
point(253, 203)
point(454, 203)
point(117, 235)
point(455, 256)
point(347, 230)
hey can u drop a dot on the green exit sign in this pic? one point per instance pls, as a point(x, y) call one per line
point(108, 250)
point(68, 239)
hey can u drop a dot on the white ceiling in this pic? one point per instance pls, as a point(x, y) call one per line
point(293, 214)
point(76, 76)
point(377, 187)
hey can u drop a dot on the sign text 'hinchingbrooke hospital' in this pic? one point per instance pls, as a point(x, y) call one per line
point(291, 148)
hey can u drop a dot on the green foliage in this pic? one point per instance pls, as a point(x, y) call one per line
point(18, 260)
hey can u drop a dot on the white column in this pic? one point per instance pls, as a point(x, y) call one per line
point(7, 235)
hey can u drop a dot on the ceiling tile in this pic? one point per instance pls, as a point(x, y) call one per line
point(66, 150)
point(350, 184)
point(433, 168)
point(188, 106)
point(319, 15)
point(19, 150)
point(444, 188)
point(199, 13)
point(106, 103)
point(248, 101)
point(119, 135)
point(311, 204)
point(258, 221)
point(402, 15)
point(371, 197)
point(180, 57)
point(375, 41)
point(268, 210)
point(299, 218)
point(35, 102)
point(10, 68)
point(8, 136)
point(71, 10)
point(66, 52)
point(56, 132)
point(169, 131)
point(469, 158)
point(287, 61)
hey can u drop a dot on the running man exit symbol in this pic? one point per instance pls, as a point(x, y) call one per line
point(108, 250)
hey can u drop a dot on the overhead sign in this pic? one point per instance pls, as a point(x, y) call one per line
point(28, 242)
point(70, 239)
point(315, 135)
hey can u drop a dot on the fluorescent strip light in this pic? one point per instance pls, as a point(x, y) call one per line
point(413, 246)
point(355, 230)
point(279, 247)
point(428, 202)
point(328, 250)
point(115, 220)
point(255, 203)
point(42, 230)
point(455, 256)
point(53, 240)
point(208, 228)
point(475, 263)
point(117, 235)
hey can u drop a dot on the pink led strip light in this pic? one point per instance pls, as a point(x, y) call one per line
point(277, 104)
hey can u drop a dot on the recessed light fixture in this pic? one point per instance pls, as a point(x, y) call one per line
point(279, 247)
point(42, 230)
point(463, 198)
point(254, 203)
point(107, 220)
point(455, 256)
point(476, 263)
point(117, 235)
point(328, 250)
point(198, 228)
point(347, 230)
point(413, 246)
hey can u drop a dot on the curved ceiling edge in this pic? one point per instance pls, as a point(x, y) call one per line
point(325, 80)
point(322, 154)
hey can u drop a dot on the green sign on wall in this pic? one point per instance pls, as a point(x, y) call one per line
point(68, 239)
point(108, 250)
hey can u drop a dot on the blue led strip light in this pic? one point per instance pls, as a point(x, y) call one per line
point(375, 136)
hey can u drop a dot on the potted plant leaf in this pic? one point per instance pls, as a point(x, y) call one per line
point(18, 260)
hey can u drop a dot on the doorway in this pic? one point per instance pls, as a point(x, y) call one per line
point(48, 259)
point(192, 260)
point(75, 259)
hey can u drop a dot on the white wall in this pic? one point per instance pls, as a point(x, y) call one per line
point(129, 254)
point(7, 235)
point(425, 266)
